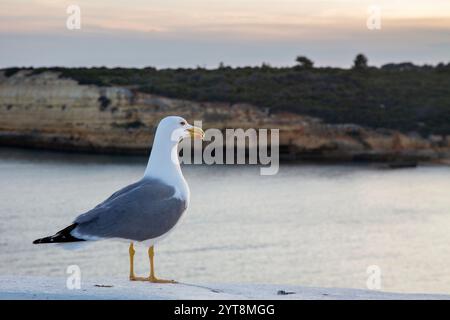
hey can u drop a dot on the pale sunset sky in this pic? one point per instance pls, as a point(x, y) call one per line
point(188, 33)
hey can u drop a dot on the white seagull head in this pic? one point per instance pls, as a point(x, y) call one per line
point(176, 128)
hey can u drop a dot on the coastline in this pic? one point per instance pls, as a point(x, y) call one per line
point(45, 111)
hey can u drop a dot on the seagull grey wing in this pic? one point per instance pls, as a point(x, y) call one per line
point(146, 211)
point(120, 192)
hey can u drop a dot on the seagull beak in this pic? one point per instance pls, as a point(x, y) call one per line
point(196, 132)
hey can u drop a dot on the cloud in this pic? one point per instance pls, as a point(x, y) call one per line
point(187, 33)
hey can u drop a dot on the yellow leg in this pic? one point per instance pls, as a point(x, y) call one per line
point(152, 277)
point(131, 251)
point(132, 276)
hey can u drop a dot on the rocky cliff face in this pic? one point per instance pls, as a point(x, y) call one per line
point(44, 110)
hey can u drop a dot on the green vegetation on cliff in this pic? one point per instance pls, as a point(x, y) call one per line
point(396, 96)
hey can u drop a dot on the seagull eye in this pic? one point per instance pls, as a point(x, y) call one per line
point(182, 123)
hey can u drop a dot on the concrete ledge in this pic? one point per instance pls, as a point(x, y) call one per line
point(44, 288)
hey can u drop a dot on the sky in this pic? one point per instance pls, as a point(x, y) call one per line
point(191, 33)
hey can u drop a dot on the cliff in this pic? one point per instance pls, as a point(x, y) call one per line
point(47, 111)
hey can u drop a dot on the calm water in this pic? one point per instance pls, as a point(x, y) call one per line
point(308, 225)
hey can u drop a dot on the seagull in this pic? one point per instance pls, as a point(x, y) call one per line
point(145, 211)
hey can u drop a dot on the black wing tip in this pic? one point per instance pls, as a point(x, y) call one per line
point(45, 240)
point(37, 241)
point(60, 237)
